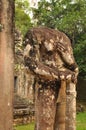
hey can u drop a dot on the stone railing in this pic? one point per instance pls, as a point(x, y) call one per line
point(23, 111)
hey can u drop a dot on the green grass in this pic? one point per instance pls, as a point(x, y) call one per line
point(25, 127)
point(81, 123)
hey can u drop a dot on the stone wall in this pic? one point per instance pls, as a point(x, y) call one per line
point(24, 84)
point(23, 87)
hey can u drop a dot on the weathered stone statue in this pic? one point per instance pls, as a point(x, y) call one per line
point(49, 57)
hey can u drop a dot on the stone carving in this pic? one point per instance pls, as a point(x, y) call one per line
point(48, 55)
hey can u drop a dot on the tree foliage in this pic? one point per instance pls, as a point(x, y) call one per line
point(22, 18)
point(62, 14)
point(80, 54)
point(68, 16)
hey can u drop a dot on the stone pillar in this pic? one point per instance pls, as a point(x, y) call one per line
point(71, 107)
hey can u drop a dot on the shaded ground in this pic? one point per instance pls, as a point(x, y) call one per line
point(81, 90)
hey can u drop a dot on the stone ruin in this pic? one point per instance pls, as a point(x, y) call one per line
point(23, 87)
point(23, 82)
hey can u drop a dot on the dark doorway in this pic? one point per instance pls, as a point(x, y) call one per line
point(15, 84)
